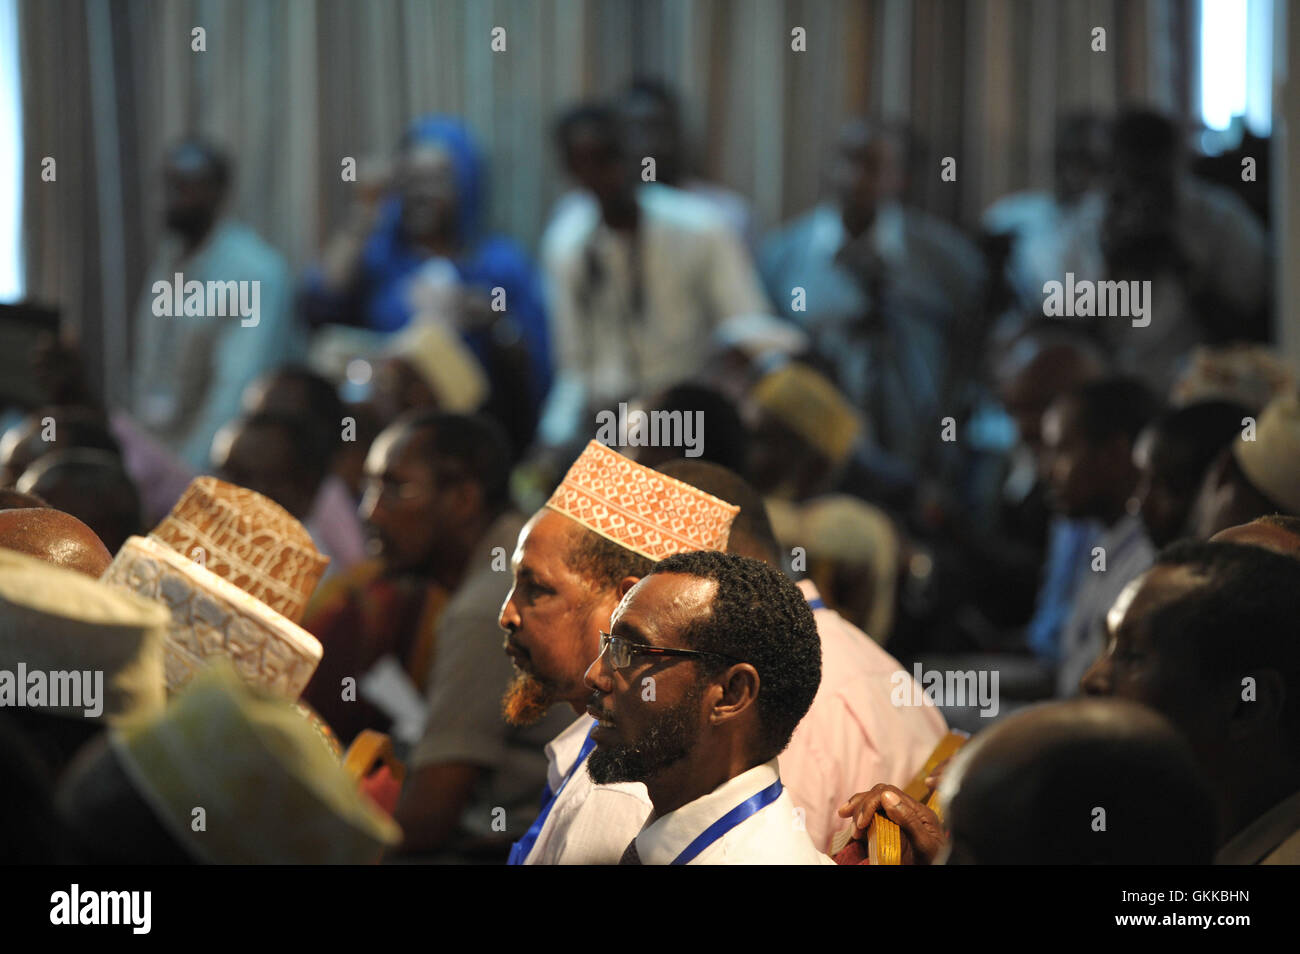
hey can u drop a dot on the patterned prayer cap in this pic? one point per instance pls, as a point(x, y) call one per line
point(641, 509)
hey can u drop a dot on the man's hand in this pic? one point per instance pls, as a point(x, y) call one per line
point(922, 832)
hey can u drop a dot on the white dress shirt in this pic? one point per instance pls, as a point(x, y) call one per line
point(588, 824)
point(774, 835)
point(633, 317)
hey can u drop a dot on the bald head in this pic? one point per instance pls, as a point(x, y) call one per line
point(1082, 782)
point(55, 537)
point(1279, 533)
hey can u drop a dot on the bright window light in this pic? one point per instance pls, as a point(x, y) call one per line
point(11, 177)
point(1223, 61)
point(1237, 64)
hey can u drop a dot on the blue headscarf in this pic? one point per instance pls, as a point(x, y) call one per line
point(452, 136)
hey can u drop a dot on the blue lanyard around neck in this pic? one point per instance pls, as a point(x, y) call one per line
point(520, 849)
point(750, 806)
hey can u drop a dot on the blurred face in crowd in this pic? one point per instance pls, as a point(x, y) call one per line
point(636, 738)
point(1226, 498)
point(596, 162)
point(1080, 161)
point(1165, 497)
point(1081, 476)
point(653, 130)
point(552, 617)
point(405, 507)
point(426, 182)
point(192, 191)
point(262, 458)
point(1025, 401)
point(398, 388)
point(866, 171)
point(1146, 666)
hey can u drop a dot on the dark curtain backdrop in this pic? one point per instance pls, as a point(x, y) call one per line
point(292, 86)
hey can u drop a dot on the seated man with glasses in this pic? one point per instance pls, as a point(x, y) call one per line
point(711, 662)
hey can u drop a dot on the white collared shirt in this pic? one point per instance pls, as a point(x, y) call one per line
point(774, 835)
point(588, 824)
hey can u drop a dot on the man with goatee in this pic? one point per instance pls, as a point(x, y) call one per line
point(603, 529)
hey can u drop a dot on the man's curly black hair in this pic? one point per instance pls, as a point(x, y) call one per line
point(760, 617)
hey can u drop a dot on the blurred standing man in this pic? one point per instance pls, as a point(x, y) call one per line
point(880, 287)
point(192, 364)
point(639, 278)
point(652, 116)
point(1203, 250)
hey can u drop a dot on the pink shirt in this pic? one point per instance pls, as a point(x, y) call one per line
point(854, 736)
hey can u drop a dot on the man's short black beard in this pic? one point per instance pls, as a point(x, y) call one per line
point(669, 740)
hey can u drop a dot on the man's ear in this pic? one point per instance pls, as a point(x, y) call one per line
point(739, 685)
point(1259, 704)
point(627, 584)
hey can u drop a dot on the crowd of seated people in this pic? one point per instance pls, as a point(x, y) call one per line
point(845, 456)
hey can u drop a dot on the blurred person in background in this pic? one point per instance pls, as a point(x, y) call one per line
point(1200, 246)
point(435, 483)
point(1172, 455)
point(1039, 222)
point(638, 278)
point(656, 128)
point(93, 486)
point(190, 370)
point(419, 246)
point(51, 429)
point(884, 289)
point(1088, 438)
point(1257, 474)
point(298, 393)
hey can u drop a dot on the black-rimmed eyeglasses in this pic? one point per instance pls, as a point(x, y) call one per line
point(621, 650)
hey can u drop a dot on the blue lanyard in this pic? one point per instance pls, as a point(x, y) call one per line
point(520, 849)
point(750, 806)
point(817, 604)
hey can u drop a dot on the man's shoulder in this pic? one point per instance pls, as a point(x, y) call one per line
point(939, 237)
point(571, 225)
point(240, 246)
